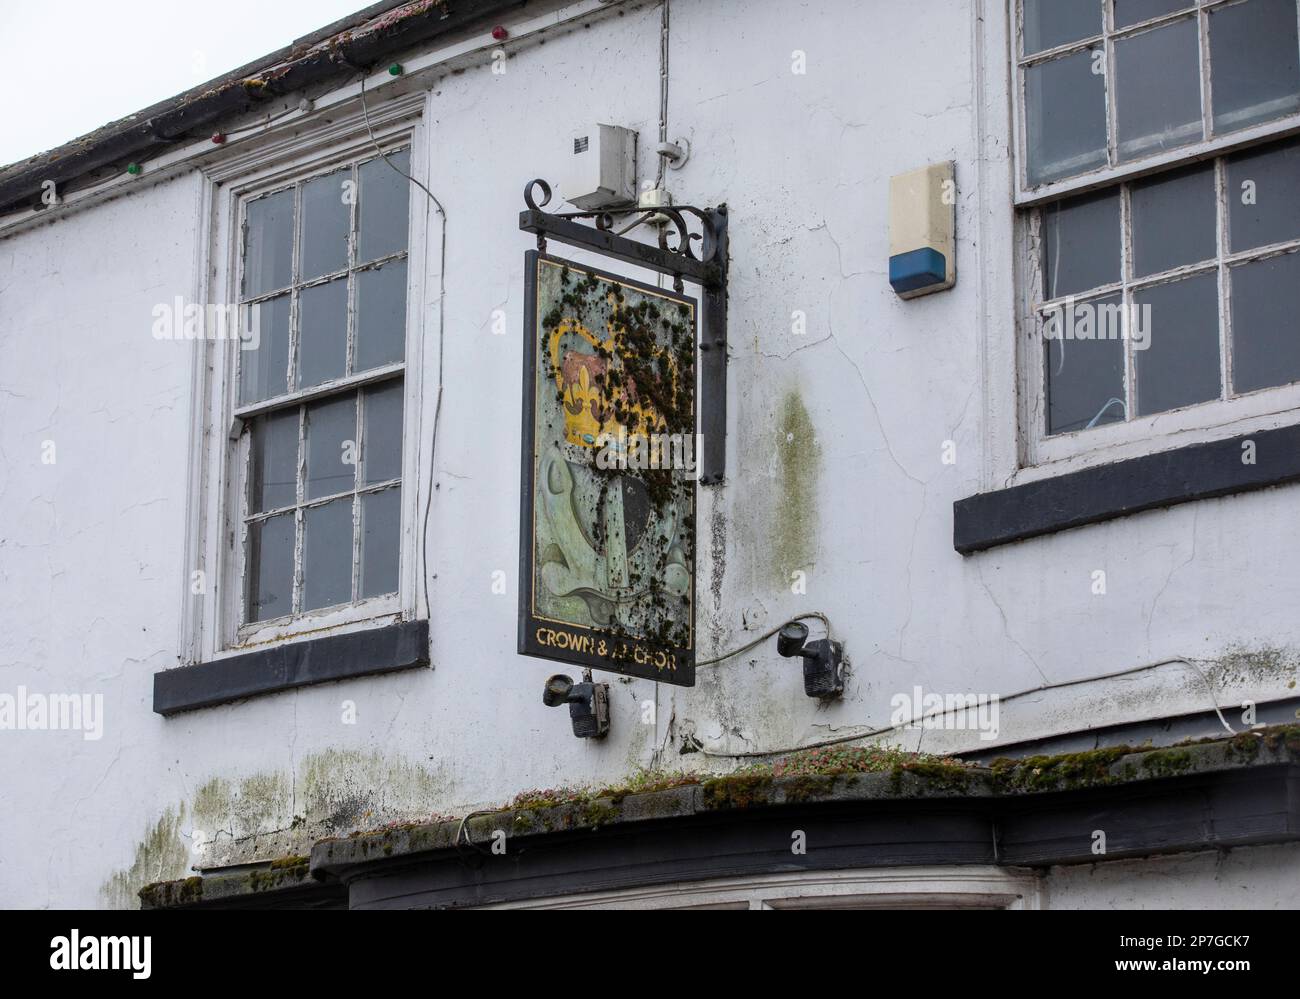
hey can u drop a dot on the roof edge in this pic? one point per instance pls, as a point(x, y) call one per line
point(341, 49)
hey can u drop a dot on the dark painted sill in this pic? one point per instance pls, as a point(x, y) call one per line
point(292, 664)
point(1092, 495)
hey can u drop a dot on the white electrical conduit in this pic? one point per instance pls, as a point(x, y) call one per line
point(868, 733)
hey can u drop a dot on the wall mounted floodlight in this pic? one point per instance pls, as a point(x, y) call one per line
point(588, 703)
point(823, 660)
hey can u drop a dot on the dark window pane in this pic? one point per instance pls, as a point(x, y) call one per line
point(327, 554)
point(383, 206)
point(1180, 364)
point(1049, 23)
point(381, 521)
point(381, 316)
point(264, 354)
point(331, 447)
point(1066, 117)
point(1085, 366)
point(326, 219)
point(268, 244)
point(1081, 244)
point(1264, 196)
point(1158, 84)
point(1254, 63)
point(1265, 332)
point(270, 568)
point(382, 456)
point(1132, 11)
point(322, 333)
point(273, 461)
point(1173, 221)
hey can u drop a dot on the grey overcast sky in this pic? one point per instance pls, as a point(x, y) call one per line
point(68, 67)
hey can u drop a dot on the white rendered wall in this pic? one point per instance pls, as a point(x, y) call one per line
point(834, 470)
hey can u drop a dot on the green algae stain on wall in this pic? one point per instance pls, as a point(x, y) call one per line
point(332, 791)
point(161, 855)
point(794, 526)
point(256, 804)
point(212, 803)
point(343, 788)
point(240, 820)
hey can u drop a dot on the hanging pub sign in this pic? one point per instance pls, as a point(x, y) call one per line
point(611, 457)
point(609, 470)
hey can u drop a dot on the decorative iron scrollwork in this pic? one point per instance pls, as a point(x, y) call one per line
point(528, 194)
point(671, 221)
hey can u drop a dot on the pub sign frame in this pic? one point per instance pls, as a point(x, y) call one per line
point(635, 613)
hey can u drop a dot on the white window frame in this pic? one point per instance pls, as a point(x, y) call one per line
point(1039, 455)
point(1114, 171)
point(212, 626)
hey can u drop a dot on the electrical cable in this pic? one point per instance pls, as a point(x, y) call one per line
point(462, 831)
point(768, 634)
point(442, 298)
point(840, 740)
point(261, 125)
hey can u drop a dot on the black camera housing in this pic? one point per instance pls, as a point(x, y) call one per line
point(588, 704)
point(823, 660)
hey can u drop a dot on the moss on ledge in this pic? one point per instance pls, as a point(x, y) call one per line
point(1062, 772)
point(1122, 764)
point(823, 774)
point(168, 894)
point(276, 875)
point(742, 790)
point(844, 774)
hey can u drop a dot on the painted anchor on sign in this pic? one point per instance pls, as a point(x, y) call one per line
point(604, 561)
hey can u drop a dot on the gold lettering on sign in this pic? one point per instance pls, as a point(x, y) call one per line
point(637, 652)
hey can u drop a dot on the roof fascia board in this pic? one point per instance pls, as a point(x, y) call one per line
point(196, 153)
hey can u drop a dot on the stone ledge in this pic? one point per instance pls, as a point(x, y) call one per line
point(1099, 768)
point(283, 883)
point(1033, 804)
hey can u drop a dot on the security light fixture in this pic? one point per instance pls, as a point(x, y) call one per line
point(823, 660)
point(588, 703)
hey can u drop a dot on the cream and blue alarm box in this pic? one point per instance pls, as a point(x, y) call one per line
point(922, 226)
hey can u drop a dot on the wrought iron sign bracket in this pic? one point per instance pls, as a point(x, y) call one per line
point(680, 262)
